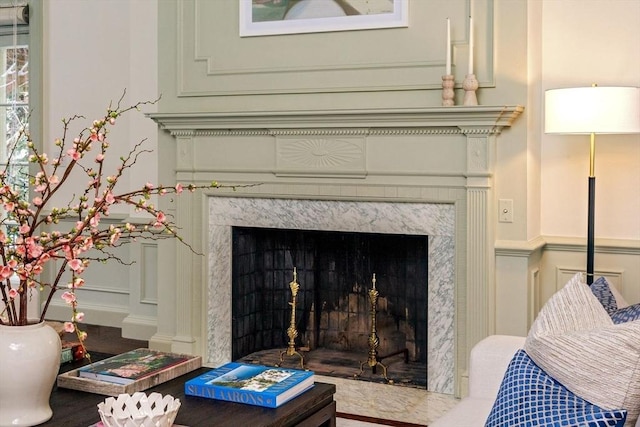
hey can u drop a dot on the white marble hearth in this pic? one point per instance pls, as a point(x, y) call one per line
point(388, 402)
point(435, 220)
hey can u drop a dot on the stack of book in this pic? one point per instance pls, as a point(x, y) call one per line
point(131, 366)
point(251, 384)
point(135, 370)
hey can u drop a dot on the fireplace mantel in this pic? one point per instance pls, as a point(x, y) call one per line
point(482, 119)
point(429, 158)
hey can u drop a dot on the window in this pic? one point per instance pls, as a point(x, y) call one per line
point(14, 108)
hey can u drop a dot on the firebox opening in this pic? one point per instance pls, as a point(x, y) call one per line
point(333, 312)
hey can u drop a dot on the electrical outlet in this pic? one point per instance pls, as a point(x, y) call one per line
point(505, 210)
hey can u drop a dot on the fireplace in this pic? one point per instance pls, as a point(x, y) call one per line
point(414, 171)
point(334, 274)
point(431, 223)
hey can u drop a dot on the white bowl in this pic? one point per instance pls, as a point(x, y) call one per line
point(139, 410)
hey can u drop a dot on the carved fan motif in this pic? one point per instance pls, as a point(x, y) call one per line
point(320, 153)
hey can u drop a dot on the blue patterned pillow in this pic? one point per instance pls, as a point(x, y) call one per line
point(627, 314)
point(529, 397)
point(601, 289)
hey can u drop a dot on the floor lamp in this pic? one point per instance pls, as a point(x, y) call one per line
point(592, 110)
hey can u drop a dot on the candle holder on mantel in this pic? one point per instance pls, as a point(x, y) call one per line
point(292, 332)
point(447, 90)
point(470, 85)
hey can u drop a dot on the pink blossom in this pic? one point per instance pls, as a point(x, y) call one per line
point(160, 219)
point(110, 198)
point(95, 220)
point(69, 327)
point(79, 317)
point(79, 225)
point(37, 201)
point(68, 252)
point(178, 188)
point(87, 244)
point(99, 158)
point(9, 206)
point(6, 272)
point(53, 179)
point(24, 229)
point(113, 239)
point(148, 186)
point(13, 293)
point(69, 297)
point(76, 264)
point(74, 154)
point(34, 249)
point(78, 282)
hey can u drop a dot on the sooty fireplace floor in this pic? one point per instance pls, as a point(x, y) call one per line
point(344, 364)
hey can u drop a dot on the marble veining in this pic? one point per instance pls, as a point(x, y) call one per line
point(388, 402)
point(435, 220)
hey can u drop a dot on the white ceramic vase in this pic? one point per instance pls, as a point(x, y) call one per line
point(29, 363)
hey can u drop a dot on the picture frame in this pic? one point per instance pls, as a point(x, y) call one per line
point(274, 17)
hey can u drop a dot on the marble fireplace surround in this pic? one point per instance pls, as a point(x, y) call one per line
point(431, 219)
point(410, 171)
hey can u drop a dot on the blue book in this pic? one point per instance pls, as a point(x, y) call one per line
point(250, 384)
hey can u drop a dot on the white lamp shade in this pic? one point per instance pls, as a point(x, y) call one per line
point(594, 109)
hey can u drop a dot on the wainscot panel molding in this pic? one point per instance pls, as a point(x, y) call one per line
point(618, 260)
point(561, 257)
point(213, 60)
point(114, 296)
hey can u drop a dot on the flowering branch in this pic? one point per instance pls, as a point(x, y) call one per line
point(25, 254)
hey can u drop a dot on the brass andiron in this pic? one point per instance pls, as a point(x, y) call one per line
point(373, 340)
point(292, 332)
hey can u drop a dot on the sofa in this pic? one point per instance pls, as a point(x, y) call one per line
point(578, 366)
point(487, 365)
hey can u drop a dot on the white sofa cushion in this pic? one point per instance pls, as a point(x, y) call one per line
point(575, 341)
point(488, 362)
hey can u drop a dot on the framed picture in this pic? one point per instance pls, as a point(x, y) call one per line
point(269, 17)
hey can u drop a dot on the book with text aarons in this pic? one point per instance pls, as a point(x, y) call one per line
point(133, 365)
point(251, 384)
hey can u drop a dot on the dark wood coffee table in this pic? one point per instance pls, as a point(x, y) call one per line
point(312, 408)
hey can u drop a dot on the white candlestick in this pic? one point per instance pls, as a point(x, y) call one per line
point(470, 45)
point(448, 69)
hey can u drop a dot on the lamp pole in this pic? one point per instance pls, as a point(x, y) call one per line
point(591, 210)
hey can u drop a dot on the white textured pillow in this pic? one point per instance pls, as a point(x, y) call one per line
point(575, 341)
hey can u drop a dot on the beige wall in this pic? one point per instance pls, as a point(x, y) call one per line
point(585, 42)
point(93, 50)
